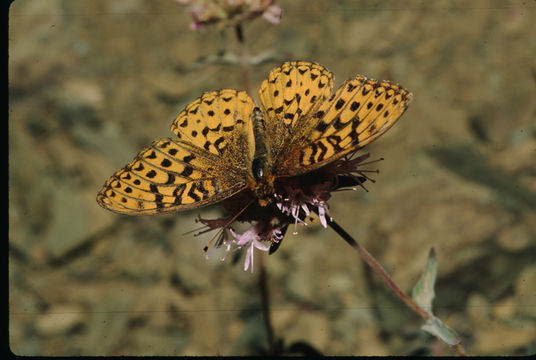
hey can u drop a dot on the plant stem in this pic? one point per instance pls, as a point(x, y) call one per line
point(369, 259)
point(243, 55)
point(265, 304)
point(263, 284)
point(460, 350)
point(376, 266)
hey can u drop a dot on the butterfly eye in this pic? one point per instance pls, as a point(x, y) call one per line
point(257, 167)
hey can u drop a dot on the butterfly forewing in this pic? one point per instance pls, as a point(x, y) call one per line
point(290, 94)
point(208, 121)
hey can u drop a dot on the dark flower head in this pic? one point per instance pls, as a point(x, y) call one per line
point(230, 12)
point(293, 201)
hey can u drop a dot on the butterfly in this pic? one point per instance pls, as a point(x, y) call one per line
point(225, 143)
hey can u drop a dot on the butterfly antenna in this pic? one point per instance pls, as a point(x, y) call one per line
point(371, 161)
point(194, 230)
point(222, 229)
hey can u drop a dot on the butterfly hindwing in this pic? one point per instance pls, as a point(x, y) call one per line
point(360, 111)
point(167, 176)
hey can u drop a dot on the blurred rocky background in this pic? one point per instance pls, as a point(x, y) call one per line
point(92, 82)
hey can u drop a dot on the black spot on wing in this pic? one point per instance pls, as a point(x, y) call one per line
point(338, 124)
point(202, 189)
point(164, 145)
point(158, 200)
point(179, 190)
point(314, 149)
point(139, 168)
point(192, 194)
point(188, 170)
point(187, 159)
point(323, 151)
point(171, 179)
point(218, 142)
point(322, 126)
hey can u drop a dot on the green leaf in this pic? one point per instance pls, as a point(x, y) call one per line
point(435, 327)
point(423, 293)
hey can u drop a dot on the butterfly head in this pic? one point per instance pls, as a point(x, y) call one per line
point(263, 184)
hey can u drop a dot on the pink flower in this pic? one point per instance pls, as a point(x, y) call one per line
point(293, 201)
point(229, 12)
point(273, 14)
point(250, 239)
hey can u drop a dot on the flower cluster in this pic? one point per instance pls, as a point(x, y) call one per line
point(230, 12)
point(293, 201)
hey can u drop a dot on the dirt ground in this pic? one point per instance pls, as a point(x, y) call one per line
point(92, 82)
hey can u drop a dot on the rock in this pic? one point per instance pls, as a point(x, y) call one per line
point(504, 309)
point(478, 308)
point(525, 292)
point(514, 238)
point(76, 216)
point(492, 338)
point(311, 327)
point(59, 319)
